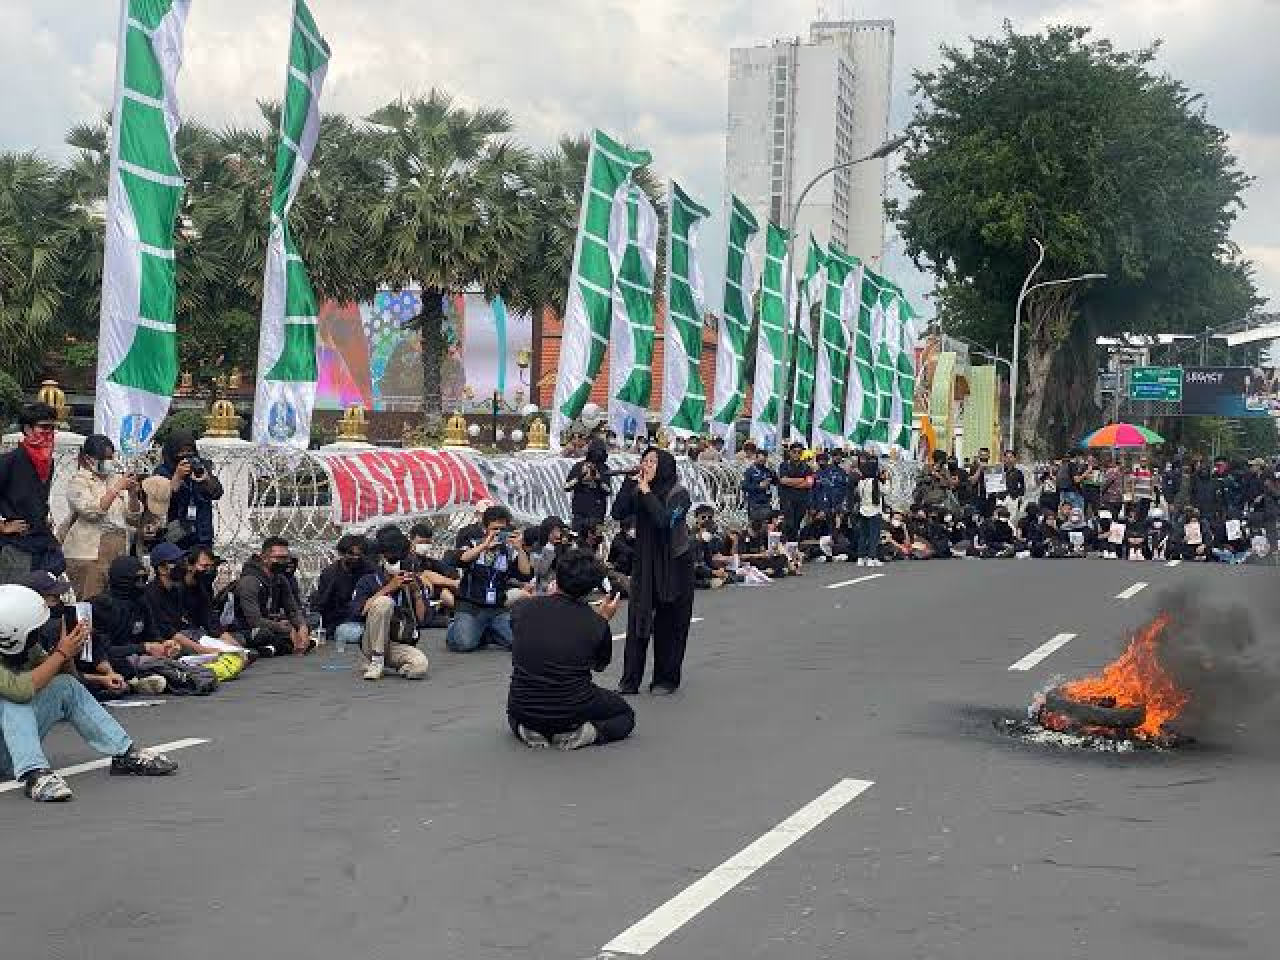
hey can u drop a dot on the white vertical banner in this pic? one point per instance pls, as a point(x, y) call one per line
point(633, 250)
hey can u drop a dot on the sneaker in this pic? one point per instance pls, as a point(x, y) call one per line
point(267, 652)
point(45, 786)
point(532, 738)
point(148, 686)
point(862, 561)
point(841, 557)
point(584, 736)
point(824, 544)
point(142, 763)
point(374, 670)
point(409, 673)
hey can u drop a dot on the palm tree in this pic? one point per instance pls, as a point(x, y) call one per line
point(33, 242)
point(455, 214)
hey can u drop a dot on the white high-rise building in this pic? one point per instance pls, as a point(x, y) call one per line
point(796, 108)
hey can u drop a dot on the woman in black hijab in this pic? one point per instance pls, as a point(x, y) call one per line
point(661, 599)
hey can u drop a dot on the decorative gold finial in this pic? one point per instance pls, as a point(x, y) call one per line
point(352, 428)
point(54, 396)
point(222, 421)
point(538, 435)
point(664, 439)
point(455, 431)
point(186, 382)
point(233, 381)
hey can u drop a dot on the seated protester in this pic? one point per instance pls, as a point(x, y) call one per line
point(918, 534)
point(709, 566)
point(1101, 540)
point(895, 541)
point(442, 579)
point(122, 621)
point(1157, 535)
point(92, 667)
point(38, 689)
point(1074, 530)
point(960, 533)
point(937, 533)
point(997, 538)
point(489, 563)
point(622, 551)
point(392, 602)
point(198, 598)
point(164, 597)
point(757, 547)
point(558, 641)
point(1230, 540)
point(337, 585)
point(1034, 530)
point(1194, 542)
point(267, 612)
point(1135, 538)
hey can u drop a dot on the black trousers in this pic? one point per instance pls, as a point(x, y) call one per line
point(612, 717)
point(669, 626)
point(793, 510)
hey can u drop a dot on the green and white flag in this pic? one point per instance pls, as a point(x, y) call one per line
point(864, 391)
point(811, 290)
point(902, 421)
point(735, 325)
point(839, 310)
point(589, 305)
point(684, 398)
point(776, 306)
point(633, 249)
point(137, 340)
point(287, 368)
point(883, 346)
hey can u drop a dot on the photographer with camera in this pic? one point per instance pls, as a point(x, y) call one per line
point(489, 562)
point(104, 503)
point(184, 505)
point(392, 602)
point(590, 484)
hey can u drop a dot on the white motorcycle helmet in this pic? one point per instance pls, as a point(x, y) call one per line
point(21, 611)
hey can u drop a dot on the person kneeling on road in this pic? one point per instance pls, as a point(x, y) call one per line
point(489, 561)
point(392, 603)
point(38, 689)
point(559, 640)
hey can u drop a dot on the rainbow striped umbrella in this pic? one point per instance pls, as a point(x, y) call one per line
point(1121, 435)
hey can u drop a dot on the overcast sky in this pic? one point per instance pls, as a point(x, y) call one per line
point(652, 73)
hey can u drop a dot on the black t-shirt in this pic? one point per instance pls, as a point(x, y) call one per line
point(591, 495)
point(557, 642)
point(794, 469)
point(484, 581)
point(166, 607)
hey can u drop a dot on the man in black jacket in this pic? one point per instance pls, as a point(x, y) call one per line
point(27, 543)
point(122, 622)
point(165, 597)
point(267, 613)
point(337, 585)
point(558, 641)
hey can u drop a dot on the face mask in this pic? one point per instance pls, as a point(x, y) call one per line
point(895, 523)
point(1002, 518)
point(279, 566)
point(947, 519)
point(392, 568)
point(706, 536)
point(105, 468)
point(206, 576)
point(351, 563)
point(422, 549)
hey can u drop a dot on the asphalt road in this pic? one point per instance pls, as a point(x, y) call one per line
point(328, 817)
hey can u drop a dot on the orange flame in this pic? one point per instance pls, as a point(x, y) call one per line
point(1137, 678)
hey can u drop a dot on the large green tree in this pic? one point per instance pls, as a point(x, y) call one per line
point(1059, 137)
point(455, 214)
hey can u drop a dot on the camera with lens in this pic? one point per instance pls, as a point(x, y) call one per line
point(198, 468)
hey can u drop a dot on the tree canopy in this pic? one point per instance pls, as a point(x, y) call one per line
point(1059, 137)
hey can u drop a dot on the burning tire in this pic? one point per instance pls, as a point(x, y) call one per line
point(1094, 714)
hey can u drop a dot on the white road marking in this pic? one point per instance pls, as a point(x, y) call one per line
point(849, 583)
point(684, 906)
point(1043, 651)
point(1173, 563)
point(1133, 591)
point(106, 762)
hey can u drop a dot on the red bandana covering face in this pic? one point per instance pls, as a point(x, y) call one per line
point(39, 447)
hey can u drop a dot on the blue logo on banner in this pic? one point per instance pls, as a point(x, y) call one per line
point(282, 421)
point(136, 433)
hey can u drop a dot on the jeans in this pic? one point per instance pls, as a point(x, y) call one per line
point(24, 725)
point(472, 629)
point(869, 535)
point(348, 634)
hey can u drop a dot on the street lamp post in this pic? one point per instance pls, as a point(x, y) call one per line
point(1027, 289)
point(879, 153)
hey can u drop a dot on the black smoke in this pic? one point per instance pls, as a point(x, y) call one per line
point(1217, 654)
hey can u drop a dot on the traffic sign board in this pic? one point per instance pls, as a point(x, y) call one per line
point(1156, 383)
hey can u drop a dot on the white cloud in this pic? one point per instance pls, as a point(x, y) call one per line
point(654, 74)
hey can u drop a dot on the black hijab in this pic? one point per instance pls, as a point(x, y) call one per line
point(665, 477)
point(177, 442)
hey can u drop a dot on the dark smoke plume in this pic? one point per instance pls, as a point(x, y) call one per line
point(1217, 654)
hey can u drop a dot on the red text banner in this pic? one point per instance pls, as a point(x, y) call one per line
point(400, 483)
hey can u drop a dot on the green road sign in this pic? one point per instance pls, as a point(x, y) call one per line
point(1156, 383)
